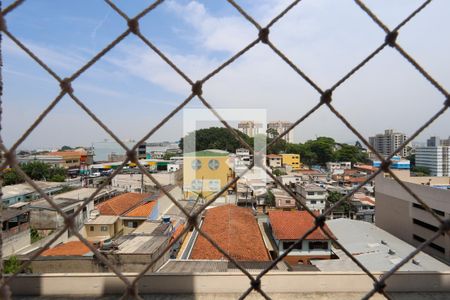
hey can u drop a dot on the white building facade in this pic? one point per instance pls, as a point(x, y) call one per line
point(313, 196)
point(436, 159)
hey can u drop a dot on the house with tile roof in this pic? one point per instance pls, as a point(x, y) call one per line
point(152, 208)
point(289, 226)
point(72, 248)
point(235, 230)
point(118, 205)
point(104, 222)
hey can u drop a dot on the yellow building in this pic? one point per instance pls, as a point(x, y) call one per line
point(102, 228)
point(205, 172)
point(72, 159)
point(291, 160)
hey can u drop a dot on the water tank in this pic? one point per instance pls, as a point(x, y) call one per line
point(166, 219)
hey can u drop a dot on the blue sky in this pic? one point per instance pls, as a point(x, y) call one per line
point(131, 89)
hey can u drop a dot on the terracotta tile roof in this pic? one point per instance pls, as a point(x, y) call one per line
point(143, 210)
point(235, 230)
point(120, 204)
point(363, 198)
point(357, 179)
point(177, 232)
point(65, 153)
point(366, 167)
point(74, 248)
point(273, 156)
point(349, 172)
point(292, 225)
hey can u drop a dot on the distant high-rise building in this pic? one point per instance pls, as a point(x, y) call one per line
point(435, 141)
point(435, 157)
point(280, 127)
point(388, 142)
point(250, 128)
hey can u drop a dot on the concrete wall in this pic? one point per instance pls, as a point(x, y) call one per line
point(395, 212)
point(45, 219)
point(11, 245)
point(318, 285)
point(98, 232)
point(133, 182)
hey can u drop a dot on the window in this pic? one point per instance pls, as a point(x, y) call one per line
point(288, 201)
point(288, 244)
point(132, 224)
point(318, 245)
point(311, 193)
point(91, 228)
point(104, 228)
point(313, 201)
point(418, 238)
point(438, 212)
point(425, 225)
point(437, 247)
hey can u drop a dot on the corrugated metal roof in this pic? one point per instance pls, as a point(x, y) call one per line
point(363, 240)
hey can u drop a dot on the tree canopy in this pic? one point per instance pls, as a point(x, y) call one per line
point(36, 170)
point(213, 138)
point(313, 152)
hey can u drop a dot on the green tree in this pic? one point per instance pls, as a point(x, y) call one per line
point(319, 151)
point(350, 153)
point(213, 138)
point(270, 199)
point(421, 171)
point(57, 174)
point(346, 206)
point(36, 170)
point(272, 133)
point(57, 178)
point(11, 265)
point(278, 172)
point(66, 148)
point(10, 176)
point(34, 235)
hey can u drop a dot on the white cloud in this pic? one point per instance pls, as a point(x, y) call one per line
point(228, 33)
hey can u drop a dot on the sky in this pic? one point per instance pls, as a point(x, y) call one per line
point(131, 89)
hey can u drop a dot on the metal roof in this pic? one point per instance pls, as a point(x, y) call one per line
point(370, 245)
point(11, 213)
point(24, 188)
point(140, 244)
